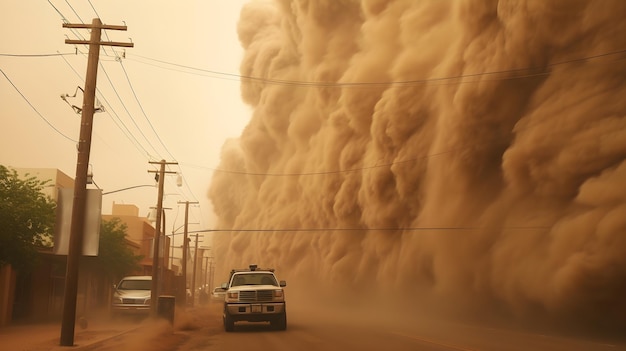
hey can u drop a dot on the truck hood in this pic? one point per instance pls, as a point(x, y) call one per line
point(254, 287)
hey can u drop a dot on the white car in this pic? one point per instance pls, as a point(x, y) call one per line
point(218, 293)
point(132, 295)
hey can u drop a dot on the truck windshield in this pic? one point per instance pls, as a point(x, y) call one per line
point(254, 279)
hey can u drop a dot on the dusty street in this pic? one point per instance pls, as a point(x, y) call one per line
point(311, 329)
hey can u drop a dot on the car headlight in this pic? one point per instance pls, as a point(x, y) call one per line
point(278, 293)
point(233, 295)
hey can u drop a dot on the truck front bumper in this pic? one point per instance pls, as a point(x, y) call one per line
point(254, 311)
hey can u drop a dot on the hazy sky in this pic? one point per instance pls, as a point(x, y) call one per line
point(179, 82)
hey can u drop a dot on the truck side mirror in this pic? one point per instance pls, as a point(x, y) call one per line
point(224, 286)
point(282, 283)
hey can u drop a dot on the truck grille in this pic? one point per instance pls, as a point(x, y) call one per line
point(256, 295)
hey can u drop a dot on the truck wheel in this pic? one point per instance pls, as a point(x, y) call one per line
point(229, 323)
point(280, 323)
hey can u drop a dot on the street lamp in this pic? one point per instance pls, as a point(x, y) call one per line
point(129, 188)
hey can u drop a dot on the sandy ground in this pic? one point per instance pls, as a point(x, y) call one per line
point(103, 333)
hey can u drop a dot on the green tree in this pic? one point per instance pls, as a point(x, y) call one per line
point(115, 258)
point(27, 218)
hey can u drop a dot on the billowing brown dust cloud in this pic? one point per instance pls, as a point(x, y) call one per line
point(491, 135)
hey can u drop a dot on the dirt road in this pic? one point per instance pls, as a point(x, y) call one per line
point(312, 329)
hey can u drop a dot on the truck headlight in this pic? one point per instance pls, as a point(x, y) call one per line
point(233, 295)
point(278, 293)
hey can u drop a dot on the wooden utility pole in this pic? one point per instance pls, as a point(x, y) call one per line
point(193, 277)
point(184, 302)
point(82, 168)
point(157, 235)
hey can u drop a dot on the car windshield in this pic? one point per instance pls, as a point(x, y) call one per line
point(135, 285)
point(254, 279)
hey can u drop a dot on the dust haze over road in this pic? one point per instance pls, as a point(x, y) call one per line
point(201, 328)
point(475, 149)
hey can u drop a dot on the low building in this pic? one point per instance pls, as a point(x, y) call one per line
point(38, 295)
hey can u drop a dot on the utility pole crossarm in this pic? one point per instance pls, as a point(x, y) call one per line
point(93, 25)
point(102, 43)
point(97, 26)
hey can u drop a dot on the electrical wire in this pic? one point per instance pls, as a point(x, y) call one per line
point(524, 72)
point(351, 170)
point(360, 230)
point(110, 111)
point(106, 34)
point(117, 94)
point(40, 55)
point(459, 79)
point(128, 188)
point(129, 135)
point(65, 20)
point(75, 13)
point(35, 109)
point(388, 229)
point(126, 109)
point(209, 73)
point(117, 58)
point(144, 112)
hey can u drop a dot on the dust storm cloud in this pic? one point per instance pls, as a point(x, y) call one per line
point(479, 146)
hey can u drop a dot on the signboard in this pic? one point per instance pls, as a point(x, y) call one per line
point(93, 217)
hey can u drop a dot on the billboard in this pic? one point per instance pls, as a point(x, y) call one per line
point(93, 217)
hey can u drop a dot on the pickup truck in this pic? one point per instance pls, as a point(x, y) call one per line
point(254, 295)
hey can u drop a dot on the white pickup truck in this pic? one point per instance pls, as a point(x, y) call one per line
point(254, 295)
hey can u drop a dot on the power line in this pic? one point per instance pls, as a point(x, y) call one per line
point(93, 8)
point(127, 111)
point(65, 20)
point(234, 77)
point(357, 169)
point(115, 117)
point(387, 229)
point(72, 8)
point(117, 94)
point(524, 72)
point(130, 134)
point(143, 111)
point(59, 12)
point(531, 72)
point(35, 109)
point(127, 133)
point(128, 188)
point(363, 230)
point(39, 55)
point(106, 35)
